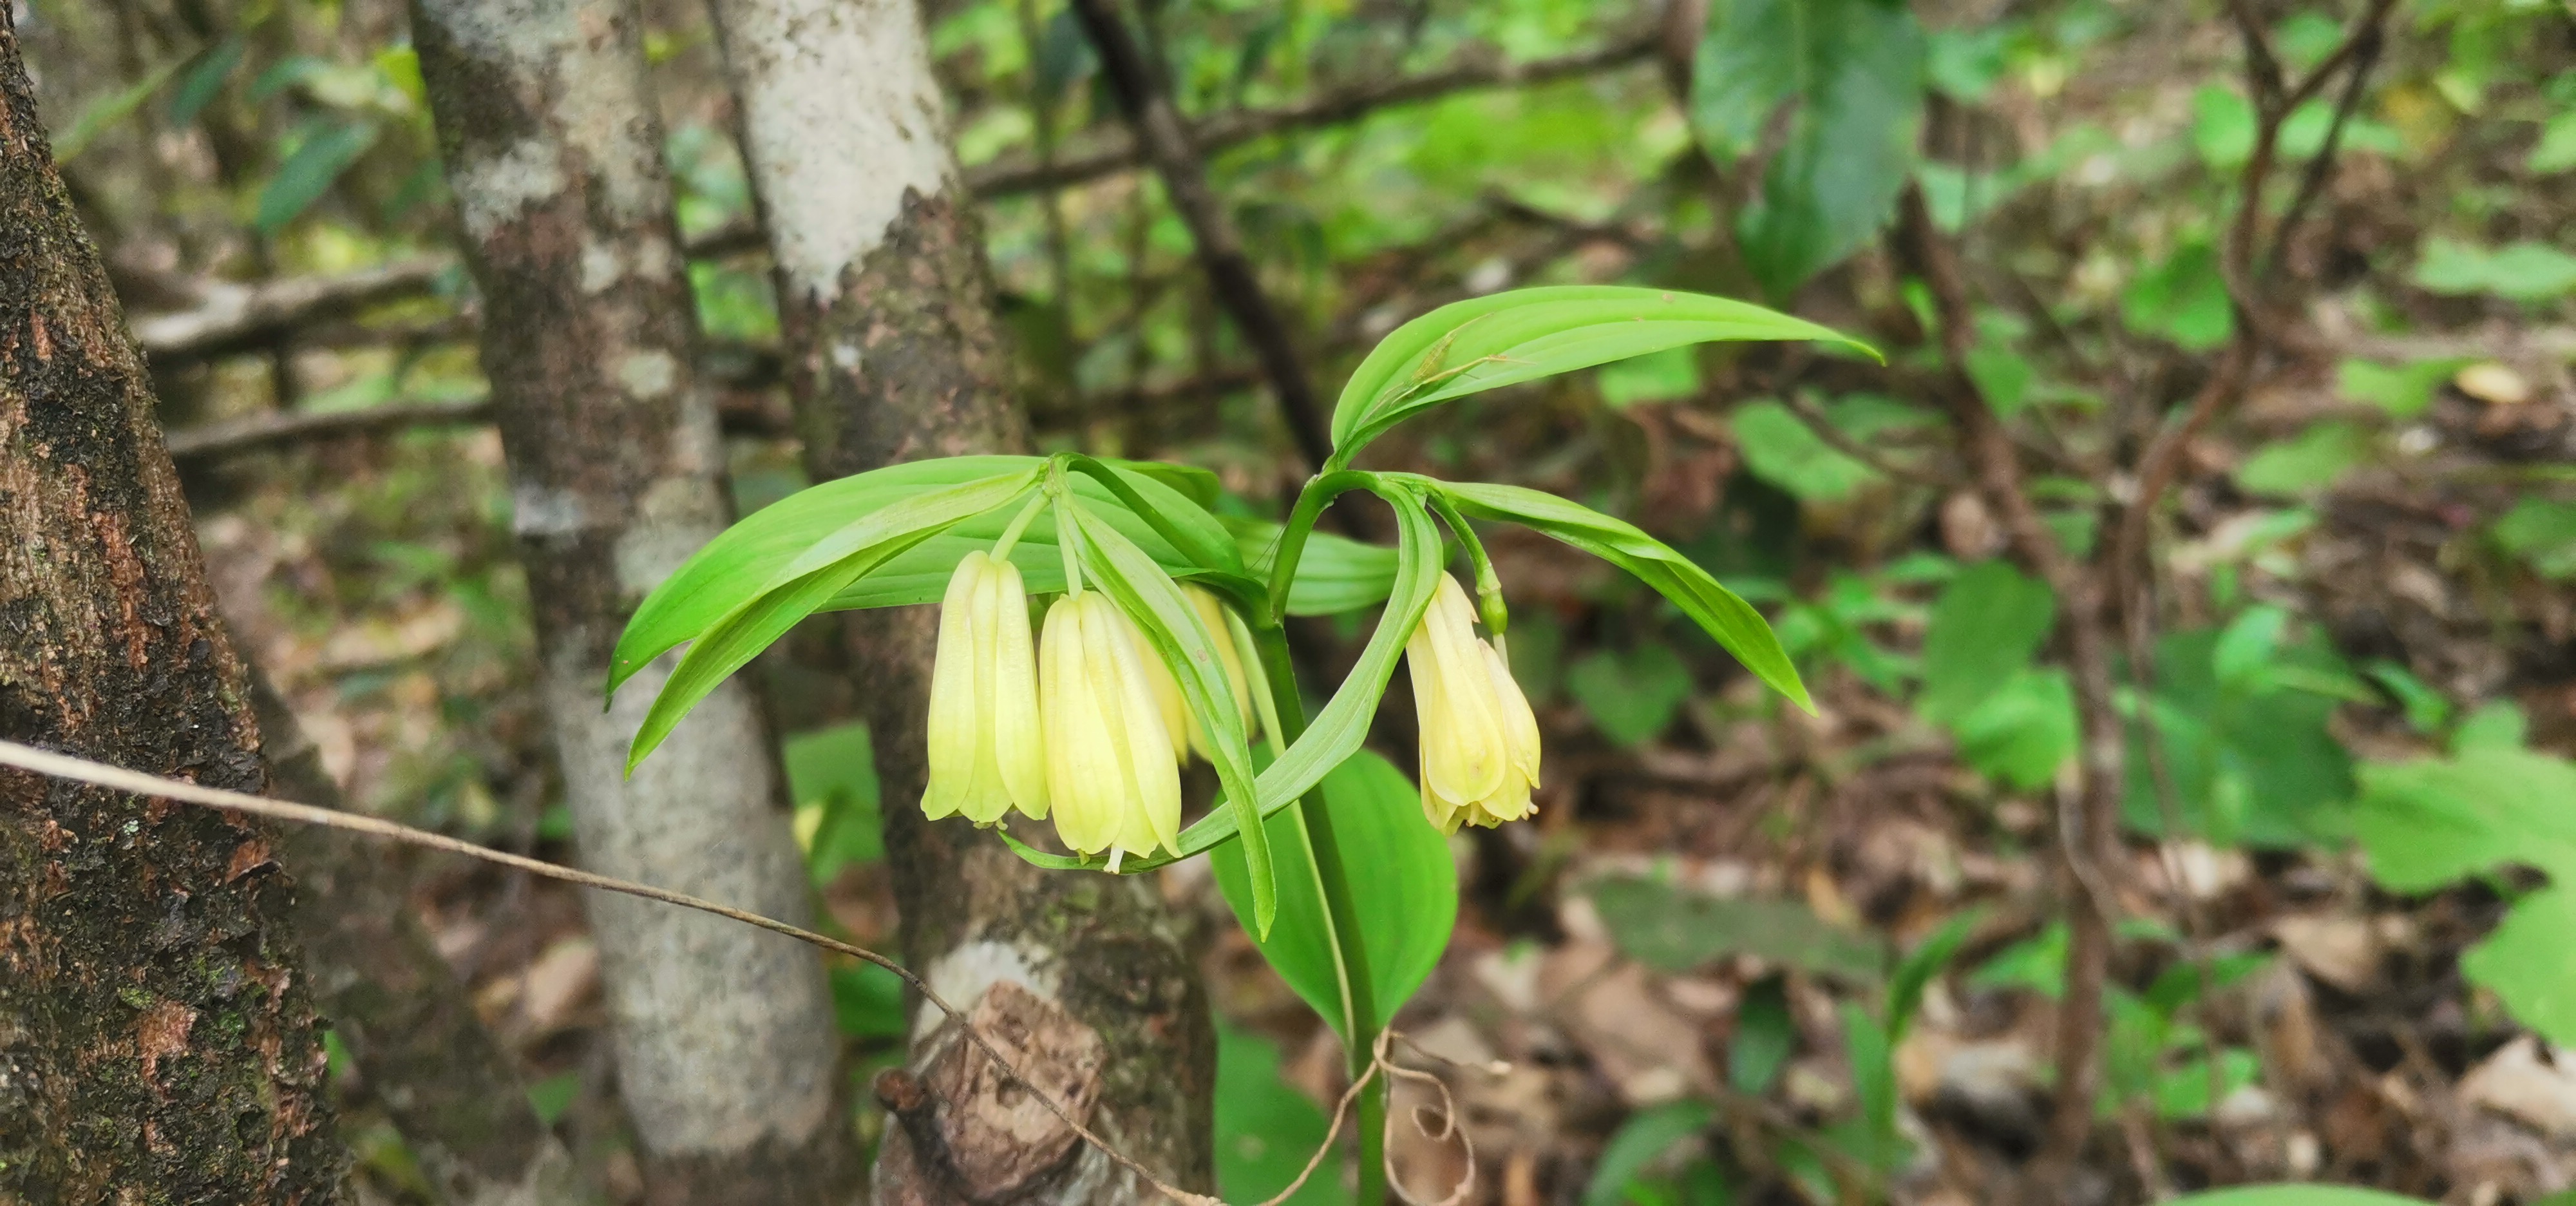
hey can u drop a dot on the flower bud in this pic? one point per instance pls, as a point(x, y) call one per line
point(1480, 745)
point(1110, 768)
point(987, 752)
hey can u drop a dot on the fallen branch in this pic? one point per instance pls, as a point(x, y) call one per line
point(234, 317)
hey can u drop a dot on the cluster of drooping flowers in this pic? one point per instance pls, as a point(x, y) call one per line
point(1088, 726)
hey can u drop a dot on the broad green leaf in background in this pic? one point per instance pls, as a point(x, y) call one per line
point(2183, 299)
point(2222, 126)
point(2499, 725)
point(2523, 272)
point(1730, 620)
point(2524, 961)
point(326, 152)
point(1673, 929)
point(2404, 390)
point(2307, 463)
point(2542, 532)
point(1654, 377)
point(1915, 971)
point(1527, 334)
point(2250, 757)
point(2556, 150)
point(1334, 573)
point(2428, 822)
point(832, 777)
point(1986, 626)
point(867, 1002)
point(1630, 698)
point(1765, 1036)
point(205, 80)
point(1639, 1143)
point(1873, 1069)
point(104, 113)
point(1406, 892)
point(1852, 73)
point(2036, 963)
point(2296, 1195)
point(1964, 61)
point(1780, 449)
point(1265, 1130)
point(2022, 732)
point(2431, 821)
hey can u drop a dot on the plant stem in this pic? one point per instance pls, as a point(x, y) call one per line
point(1350, 953)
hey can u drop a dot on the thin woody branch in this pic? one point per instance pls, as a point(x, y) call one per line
point(1166, 141)
point(240, 317)
point(1025, 173)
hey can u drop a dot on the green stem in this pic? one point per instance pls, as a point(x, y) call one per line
point(1341, 912)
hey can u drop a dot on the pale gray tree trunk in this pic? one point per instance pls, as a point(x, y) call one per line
point(893, 354)
point(724, 1036)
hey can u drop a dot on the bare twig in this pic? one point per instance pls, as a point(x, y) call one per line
point(1841, 441)
point(2362, 48)
point(738, 412)
point(2087, 822)
point(1029, 173)
point(114, 778)
point(1166, 141)
point(236, 318)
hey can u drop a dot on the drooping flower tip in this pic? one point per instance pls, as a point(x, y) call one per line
point(987, 747)
point(1479, 739)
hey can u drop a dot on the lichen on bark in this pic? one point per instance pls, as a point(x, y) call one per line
point(724, 1039)
point(157, 1040)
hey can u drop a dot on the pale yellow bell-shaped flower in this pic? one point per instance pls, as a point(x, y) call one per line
point(1183, 725)
point(987, 752)
point(1110, 768)
point(1479, 739)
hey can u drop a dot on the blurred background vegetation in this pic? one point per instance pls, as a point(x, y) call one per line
point(1743, 954)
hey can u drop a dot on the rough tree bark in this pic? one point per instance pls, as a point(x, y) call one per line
point(157, 1036)
point(396, 1005)
point(893, 354)
point(725, 1042)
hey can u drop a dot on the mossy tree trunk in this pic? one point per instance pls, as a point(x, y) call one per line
point(157, 1039)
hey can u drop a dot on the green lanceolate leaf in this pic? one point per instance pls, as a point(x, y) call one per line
point(755, 556)
point(1172, 626)
point(1334, 573)
point(2296, 1195)
point(1736, 626)
point(921, 574)
point(1853, 73)
point(1407, 901)
point(1174, 516)
point(1526, 334)
point(310, 172)
point(731, 640)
